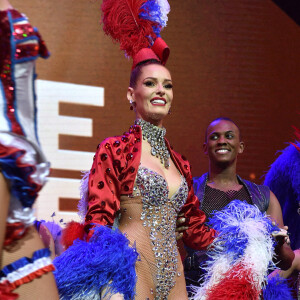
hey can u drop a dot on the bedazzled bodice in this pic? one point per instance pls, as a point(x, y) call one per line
point(159, 214)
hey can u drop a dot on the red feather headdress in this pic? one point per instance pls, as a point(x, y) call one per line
point(132, 24)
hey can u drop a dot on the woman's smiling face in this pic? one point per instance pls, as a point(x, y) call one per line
point(152, 94)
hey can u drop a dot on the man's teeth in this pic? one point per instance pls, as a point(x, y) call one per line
point(157, 101)
point(222, 151)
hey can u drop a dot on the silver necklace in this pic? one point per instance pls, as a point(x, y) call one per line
point(155, 136)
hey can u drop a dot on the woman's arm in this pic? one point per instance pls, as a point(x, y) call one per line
point(103, 189)
point(283, 250)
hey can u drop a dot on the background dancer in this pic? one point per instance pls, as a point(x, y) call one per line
point(23, 167)
point(284, 180)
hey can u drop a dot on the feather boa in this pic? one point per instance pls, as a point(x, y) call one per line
point(240, 255)
point(106, 261)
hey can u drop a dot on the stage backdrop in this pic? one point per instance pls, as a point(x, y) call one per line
point(234, 58)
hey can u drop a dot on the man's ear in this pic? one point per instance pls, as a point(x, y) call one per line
point(204, 146)
point(241, 147)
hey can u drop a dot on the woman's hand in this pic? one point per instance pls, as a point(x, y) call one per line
point(179, 228)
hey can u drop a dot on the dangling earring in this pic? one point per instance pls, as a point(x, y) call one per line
point(169, 112)
point(131, 104)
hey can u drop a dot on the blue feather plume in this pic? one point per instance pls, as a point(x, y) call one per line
point(155, 11)
point(283, 179)
point(106, 261)
point(277, 288)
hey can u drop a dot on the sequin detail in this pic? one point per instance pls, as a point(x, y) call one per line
point(20, 43)
point(155, 136)
point(160, 214)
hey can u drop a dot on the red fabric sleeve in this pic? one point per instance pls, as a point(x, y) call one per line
point(198, 236)
point(43, 50)
point(104, 189)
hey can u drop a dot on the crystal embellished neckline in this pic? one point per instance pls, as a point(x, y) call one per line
point(155, 136)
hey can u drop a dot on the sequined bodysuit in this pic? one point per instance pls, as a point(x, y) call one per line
point(148, 216)
point(118, 188)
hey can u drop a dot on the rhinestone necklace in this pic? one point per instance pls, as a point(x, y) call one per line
point(155, 137)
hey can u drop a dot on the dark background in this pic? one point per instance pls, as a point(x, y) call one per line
point(232, 58)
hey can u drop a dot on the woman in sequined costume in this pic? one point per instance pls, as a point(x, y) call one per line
point(137, 183)
point(142, 189)
point(23, 167)
point(159, 191)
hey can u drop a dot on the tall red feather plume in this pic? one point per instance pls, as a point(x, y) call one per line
point(121, 21)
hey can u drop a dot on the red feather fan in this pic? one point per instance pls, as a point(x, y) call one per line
point(121, 21)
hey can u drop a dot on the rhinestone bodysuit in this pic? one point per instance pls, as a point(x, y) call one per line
point(159, 213)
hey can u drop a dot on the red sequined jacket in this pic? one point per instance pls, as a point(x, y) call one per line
point(113, 174)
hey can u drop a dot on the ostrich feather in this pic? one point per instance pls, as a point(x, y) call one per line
point(241, 253)
point(122, 22)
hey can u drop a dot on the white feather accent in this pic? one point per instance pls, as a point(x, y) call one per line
point(219, 268)
point(165, 9)
point(259, 251)
point(84, 195)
